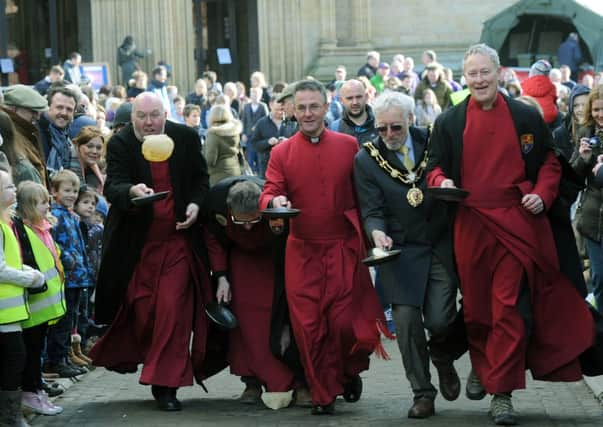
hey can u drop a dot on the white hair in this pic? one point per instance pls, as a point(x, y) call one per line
point(482, 49)
point(394, 100)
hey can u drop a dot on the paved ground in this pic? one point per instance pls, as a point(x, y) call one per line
point(104, 398)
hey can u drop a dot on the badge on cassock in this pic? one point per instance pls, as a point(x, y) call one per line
point(527, 142)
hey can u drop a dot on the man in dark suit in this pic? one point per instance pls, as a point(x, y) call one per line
point(390, 179)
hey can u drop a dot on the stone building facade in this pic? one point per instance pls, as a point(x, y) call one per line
point(287, 39)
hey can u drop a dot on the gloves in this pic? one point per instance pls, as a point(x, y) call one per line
point(38, 284)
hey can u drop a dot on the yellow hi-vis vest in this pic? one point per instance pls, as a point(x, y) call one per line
point(13, 303)
point(50, 304)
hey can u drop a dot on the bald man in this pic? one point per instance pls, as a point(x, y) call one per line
point(151, 286)
point(357, 119)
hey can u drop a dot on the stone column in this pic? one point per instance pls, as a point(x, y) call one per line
point(362, 23)
point(328, 24)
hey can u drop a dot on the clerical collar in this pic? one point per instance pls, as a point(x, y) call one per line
point(313, 139)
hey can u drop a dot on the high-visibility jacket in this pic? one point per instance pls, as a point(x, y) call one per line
point(13, 302)
point(50, 304)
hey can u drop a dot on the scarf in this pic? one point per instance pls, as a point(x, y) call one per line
point(59, 156)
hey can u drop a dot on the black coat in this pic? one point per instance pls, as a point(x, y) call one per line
point(420, 232)
point(127, 225)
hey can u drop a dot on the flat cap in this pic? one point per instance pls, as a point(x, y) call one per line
point(25, 97)
point(287, 92)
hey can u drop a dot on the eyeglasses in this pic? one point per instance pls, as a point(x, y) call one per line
point(243, 222)
point(393, 128)
point(485, 73)
point(314, 108)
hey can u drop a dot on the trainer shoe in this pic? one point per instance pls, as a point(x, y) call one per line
point(474, 389)
point(63, 370)
point(48, 403)
point(501, 410)
point(32, 402)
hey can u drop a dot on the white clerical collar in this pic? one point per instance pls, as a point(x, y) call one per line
point(313, 139)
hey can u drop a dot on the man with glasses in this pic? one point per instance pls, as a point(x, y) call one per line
point(335, 314)
point(151, 285)
point(516, 300)
point(420, 284)
point(242, 254)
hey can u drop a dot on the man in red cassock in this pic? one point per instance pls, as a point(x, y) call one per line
point(335, 314)
point(520, 311)
point(152, 285)
point(241, 250)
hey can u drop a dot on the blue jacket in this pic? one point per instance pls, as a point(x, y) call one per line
point(570, 54)
point(68, 235)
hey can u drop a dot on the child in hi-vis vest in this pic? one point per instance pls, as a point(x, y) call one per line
point(15, 279)
point(32, 226)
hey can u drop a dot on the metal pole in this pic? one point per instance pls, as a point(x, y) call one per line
point(3, 39)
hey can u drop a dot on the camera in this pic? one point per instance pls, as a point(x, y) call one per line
point(594, 142)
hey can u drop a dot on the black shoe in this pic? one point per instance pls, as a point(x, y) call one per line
point(62, 370)
point(353, 390)
point(324, 409)
point(450, 384)
point(166, 398)
point(81, 369)
point(52, 389)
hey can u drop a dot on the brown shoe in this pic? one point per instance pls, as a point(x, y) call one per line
point(303, 398)
point(450, 384)
point(251, 395)
point(76, 360)
point(76, 347)
point(422, 408)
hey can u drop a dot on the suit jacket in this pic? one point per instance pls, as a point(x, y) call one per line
point(420, 232)
point(250, 117)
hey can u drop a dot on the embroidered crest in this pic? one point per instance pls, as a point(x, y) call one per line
point(277, 225)
point(527, 142)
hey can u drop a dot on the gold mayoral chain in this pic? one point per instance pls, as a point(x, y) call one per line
point(414, 194)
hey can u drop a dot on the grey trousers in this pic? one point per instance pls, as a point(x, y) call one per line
point(437, 313)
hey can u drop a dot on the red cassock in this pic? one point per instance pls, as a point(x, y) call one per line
point(155, 323)
point(335, 314)
point(497, 245)
point(250, 266)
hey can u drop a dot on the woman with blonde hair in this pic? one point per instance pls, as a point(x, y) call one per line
point(589, 215)
point(427, 109)
point(223, 149)
point(258, 79)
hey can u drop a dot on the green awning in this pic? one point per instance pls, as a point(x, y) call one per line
point(586, 16)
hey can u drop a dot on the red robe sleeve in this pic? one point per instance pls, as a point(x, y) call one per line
point(435, 177)
point(276, 182)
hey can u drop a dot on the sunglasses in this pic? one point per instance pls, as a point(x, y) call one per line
point(393, 128)
point(242, 222)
